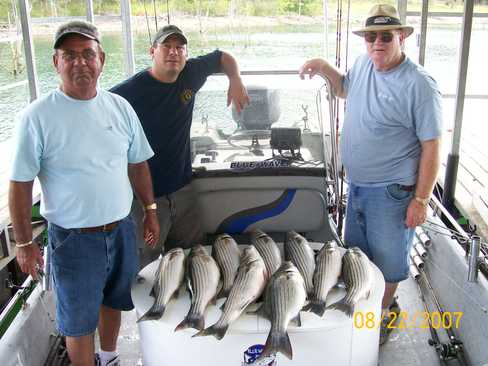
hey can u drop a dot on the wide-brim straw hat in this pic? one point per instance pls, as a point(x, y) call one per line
point(383, 17)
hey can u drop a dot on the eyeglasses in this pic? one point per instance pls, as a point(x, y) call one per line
point(386, 37)
point(71, 56)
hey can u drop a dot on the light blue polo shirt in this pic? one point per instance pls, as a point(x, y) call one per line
point(388, 115)
point(80, 150)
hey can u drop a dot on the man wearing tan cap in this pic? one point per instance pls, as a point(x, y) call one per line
point(163, 97)
point(89, 151)
point(389, 146)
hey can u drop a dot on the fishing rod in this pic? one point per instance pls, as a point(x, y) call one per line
point(453, 350)
point(435, 340)
point(147, 22)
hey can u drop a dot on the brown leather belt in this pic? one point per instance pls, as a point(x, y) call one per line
point(407, 188)
point(102, 228)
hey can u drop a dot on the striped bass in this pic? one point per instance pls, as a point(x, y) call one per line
point(299, 252)
point(326, 276)
point(227, 254)
point(268, 249)
point(358, 277)
point(248, 286)
point(169, 277)
point(284, 298)
point(203, 278)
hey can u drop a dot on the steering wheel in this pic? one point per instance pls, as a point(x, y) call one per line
point(253, 135)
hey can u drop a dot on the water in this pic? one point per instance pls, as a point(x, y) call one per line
point(260, 48)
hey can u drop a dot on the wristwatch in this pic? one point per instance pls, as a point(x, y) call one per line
point(423, 201)
point(152, 206)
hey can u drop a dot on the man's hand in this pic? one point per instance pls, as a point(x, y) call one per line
point(30, 259)
point(151, 228)
point(312, 67)
point(237, 93)
point(416, 214)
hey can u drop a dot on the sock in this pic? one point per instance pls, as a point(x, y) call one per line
point(106, 356)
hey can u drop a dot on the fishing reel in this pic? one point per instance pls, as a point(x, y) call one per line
point(449, 351)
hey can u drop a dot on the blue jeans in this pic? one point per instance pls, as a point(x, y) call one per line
point(375, 222)
point(91, 269)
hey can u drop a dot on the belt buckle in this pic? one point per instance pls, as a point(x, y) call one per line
point(105, 228)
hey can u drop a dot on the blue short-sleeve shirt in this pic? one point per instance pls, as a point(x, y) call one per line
point(388, 115)
point(80, 150)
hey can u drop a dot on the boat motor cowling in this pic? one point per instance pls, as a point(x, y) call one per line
point(262, 111)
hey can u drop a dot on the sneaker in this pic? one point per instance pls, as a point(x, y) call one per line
point(389, 322)
point(113, 362)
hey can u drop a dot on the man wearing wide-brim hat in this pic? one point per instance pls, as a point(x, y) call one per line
point(389, 146)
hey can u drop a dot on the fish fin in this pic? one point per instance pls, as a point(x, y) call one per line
point(155, 313)
point(223, 293)
point(260, 311)
point(297, 320)
point(317, 307)
point(222, 306)
point(192, 321)
point(343, 306)
point(217, 332)
point(277, 342)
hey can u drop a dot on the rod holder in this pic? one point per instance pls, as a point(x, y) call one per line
point(423, 237)
point(419, 248)
point(474, 253)
point(414, 272)
point(419, 263)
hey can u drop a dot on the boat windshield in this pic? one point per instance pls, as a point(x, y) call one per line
point(286, 125)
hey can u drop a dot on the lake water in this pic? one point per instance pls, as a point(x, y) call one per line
point(278, 48)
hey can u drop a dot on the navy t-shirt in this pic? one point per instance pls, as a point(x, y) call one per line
point(165, 111)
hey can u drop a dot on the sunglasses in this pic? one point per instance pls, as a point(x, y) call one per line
point(386, 37)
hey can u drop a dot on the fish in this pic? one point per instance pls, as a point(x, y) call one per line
point(299, 252)
point(284, 297)
point(358, 278)
point(268, 249)
point(227, 254)
point(203, 276)
point(170, 275)
point(248, 286)
point(327, 272)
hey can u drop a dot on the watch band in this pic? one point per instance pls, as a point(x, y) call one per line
point(152, 206)
point(423, 201)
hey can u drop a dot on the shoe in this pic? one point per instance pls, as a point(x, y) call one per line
point(389, 322)
point(113, 362)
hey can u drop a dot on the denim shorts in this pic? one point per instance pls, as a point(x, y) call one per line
point(91, 269)
point(375, 222)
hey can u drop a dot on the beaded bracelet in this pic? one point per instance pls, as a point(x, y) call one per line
point(22, 245)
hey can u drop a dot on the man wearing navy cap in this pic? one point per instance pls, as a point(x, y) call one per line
point(163, 97)
point(87, 148)
point(390, 146)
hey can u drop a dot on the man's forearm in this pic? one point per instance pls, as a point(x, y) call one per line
point(20, 207)
point(336, 78)
point(140, 178)
point(229, 66)
point(428, 168)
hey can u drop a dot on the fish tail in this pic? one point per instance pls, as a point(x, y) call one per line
point(217, 331)
point(195, 321)
point(155, 313)
point(343, 306)
point(277, 342)
point(317, 307)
